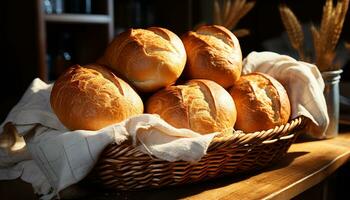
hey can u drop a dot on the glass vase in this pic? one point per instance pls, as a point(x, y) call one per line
point(331, 94)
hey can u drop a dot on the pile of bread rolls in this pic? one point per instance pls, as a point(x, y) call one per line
point(143, 67)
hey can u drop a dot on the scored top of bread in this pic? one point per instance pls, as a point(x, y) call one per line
point(92, 97)
point(262, 102)
point(213, 53)
point(148, 58)
point(200, 105)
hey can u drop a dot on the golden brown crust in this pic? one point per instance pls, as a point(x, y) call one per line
point(92, 97)
point(262, 102)
point(168, 104)
point(200, 105)
point(213, 53)
point(148, 58)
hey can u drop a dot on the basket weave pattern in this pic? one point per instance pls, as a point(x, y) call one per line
point(124, 167)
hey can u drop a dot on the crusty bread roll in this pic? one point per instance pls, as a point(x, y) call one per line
point(148, 58)
point(262, 102)
point(213, 53)
point(200, 105)
point(92, 97)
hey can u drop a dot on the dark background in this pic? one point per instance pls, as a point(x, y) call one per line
point(19, 55)
point(18, 22)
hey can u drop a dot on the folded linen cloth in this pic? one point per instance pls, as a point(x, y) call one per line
point(55, 158)
point(304, 85)
point(60, 158)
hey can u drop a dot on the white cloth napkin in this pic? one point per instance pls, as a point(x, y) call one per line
point(55, 158)
point(303, 82)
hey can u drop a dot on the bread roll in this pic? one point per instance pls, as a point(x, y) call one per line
point(148, 58)
point(213, 53)
point(262, 102)
point(92, 97)
point(200, 105)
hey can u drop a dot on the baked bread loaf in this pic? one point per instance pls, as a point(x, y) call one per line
point(149, 59)
point(213, 53)
point(92, 97)
point(200, 105)
point(262, 102)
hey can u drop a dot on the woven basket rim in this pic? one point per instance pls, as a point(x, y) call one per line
point(125, 167)
point(240, 138)
point(266, 136)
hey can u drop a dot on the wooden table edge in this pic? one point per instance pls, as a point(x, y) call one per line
point(316, 177)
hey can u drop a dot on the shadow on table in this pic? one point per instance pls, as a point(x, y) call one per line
point(343, 128)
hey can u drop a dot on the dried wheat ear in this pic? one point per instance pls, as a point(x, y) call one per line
point(229, 12)
point(325, 38)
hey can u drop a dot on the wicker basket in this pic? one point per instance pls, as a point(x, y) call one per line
point(124, 167)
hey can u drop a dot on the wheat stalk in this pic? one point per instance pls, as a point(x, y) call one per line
point(227, 6)
point(244, 9)
point(347, 46)
point(329, 33)
point(241, 32)
point(317, 42)
point(334, 29)
point(320, 43)
point(326, 17)
point(229, 12)
point(294, 30)
point(217, 11)
point(325, 38)
point(234, 11)
point(340, 17)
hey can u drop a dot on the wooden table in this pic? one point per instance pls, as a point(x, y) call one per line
point(306, 164)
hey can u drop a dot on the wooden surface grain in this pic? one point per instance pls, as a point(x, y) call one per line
point(306, 164)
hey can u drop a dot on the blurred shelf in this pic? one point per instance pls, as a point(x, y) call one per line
point(52, 27)
point(78, 18)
